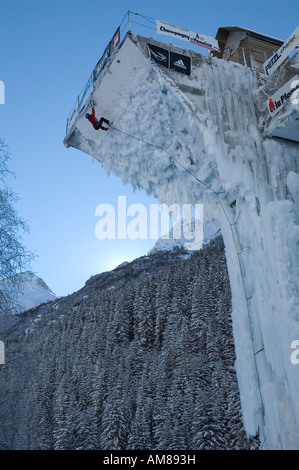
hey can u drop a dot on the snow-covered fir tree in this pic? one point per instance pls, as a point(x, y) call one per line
point(141, 358)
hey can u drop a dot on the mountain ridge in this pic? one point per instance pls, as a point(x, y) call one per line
point(27, 290)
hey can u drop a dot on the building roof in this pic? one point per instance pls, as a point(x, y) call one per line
point(249, 32)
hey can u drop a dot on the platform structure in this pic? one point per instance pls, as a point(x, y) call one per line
point(128, 66)
point(114, 79)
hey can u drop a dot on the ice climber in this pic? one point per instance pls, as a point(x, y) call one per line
point(97, 124)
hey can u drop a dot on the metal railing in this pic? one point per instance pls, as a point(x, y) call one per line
point(102, 65)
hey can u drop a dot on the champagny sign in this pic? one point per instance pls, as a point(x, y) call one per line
point(174, 31)
point(283, 52)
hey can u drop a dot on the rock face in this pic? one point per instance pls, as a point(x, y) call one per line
point(203, 138)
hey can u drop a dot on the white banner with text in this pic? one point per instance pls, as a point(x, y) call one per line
point(282, 53)
point(289, 92)
point(194, 38)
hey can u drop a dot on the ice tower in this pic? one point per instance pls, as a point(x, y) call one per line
point(191, 128)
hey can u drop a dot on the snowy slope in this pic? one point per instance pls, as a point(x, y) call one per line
point(198, 139)
point(31, 291)
point(186, 229)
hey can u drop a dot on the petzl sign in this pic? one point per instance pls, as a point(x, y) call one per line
point(289, 92)
point(283, 52)
point(174, 31)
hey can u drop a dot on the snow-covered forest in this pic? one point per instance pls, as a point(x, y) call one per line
point(142, 362)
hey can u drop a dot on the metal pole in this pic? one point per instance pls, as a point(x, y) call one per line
point(129, 26)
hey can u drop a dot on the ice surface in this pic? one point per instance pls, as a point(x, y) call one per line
point(197, 139)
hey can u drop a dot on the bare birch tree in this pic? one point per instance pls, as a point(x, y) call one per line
point(14, 257)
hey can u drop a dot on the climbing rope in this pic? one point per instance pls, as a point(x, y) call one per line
point(171, 156)
point(217, 194)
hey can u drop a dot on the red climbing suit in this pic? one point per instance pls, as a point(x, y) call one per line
point(97, 124)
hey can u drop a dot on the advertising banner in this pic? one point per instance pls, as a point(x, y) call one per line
point(180, 63)
point(169, 59)
point(159, 55)
point(102, 62)
point(174, 31)
point(106, 55)
point(283, 52)
point(115, 39)
point(288, 92)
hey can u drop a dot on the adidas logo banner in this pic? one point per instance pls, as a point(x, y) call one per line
point(172, 60)
point(180, 63)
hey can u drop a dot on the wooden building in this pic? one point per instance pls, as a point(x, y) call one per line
point(246, 47)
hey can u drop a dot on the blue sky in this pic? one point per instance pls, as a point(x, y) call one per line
point(48, 49)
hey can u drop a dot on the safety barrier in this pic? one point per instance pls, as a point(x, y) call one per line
point(105, 60)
